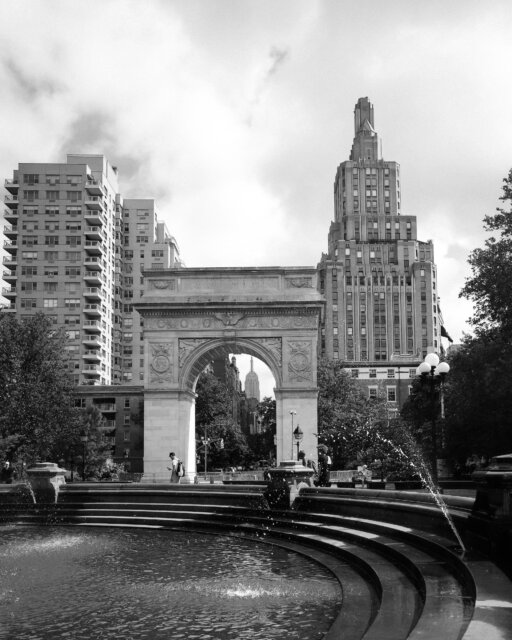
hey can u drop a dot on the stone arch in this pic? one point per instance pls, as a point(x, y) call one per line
point(190, 315)
point(208, 349)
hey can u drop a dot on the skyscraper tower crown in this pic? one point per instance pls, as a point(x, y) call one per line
point(252, 384)
point(379, 280)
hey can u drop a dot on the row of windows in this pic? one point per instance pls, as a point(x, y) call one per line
point(33, 194)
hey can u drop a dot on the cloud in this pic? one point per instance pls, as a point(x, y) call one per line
point(166, 90)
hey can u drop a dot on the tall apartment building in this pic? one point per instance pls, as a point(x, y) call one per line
point(380, 283)
point(75, 251)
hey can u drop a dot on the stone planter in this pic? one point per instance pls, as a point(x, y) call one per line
point(285, 481)
point(45, 479)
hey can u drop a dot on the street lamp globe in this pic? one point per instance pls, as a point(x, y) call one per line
point(424, 367)
point(432, 359)
point(442, 368)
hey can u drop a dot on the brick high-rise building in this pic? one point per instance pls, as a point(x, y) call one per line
point(75, 250)
point(380, 283)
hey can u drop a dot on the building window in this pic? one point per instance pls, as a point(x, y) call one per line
point(29, 255)
point(391, 373)
point(373, 373)
point(355, 373)
point(391, 394)
point(372, 392)
point(49, 303)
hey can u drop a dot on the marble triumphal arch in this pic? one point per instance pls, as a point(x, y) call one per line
point(192, 315)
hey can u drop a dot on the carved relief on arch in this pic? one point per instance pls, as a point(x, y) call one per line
point(187, 345)
point(161, 362)
point(300, 368)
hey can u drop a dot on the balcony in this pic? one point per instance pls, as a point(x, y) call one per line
point(11, 215)
point(93, 277)
point(11, 186)
point(8, 275)
point(92, 341)
point(12, 247)
point(94, 217)
point(92, 309)
point(109, 407)
point(8, 308)
point(12, 201)
point(93, 293)
point(10, 231)
point(9, 292)
point(93, 263)
point(91, 356)
point(94, 187)
point(94, 233)
point(91, 370)
point(92, 326)
point(94, 202)
point(10, 261)
point(94, 247)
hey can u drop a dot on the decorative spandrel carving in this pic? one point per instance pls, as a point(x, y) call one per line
point(274, 346)
point(161, 366)
point(186, 346)
point(299, 361)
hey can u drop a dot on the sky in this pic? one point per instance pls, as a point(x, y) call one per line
point(234, 114)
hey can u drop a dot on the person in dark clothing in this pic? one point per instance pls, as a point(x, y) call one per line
point(7, 473)
point(323, 467)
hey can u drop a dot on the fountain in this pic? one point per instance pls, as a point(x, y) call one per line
point(418, 464)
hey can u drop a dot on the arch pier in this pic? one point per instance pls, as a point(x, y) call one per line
point(193, 315)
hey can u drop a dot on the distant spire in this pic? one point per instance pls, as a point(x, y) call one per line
point(252, 384)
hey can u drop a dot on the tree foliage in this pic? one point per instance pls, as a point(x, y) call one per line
point(478, 400)
point(490, 285)
point(214, 420)
point(357, 429)
point(36, 402)
point(262, 443)
point(38, 417)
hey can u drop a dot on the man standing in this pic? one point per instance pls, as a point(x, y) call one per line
point(177, 470)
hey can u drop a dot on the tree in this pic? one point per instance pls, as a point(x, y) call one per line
point(478, 399)
point(490, 286)
point(262, 443)
point(349, 423)
point(227, 445)
point(36, 392)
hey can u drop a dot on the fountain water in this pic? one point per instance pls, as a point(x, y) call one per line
point(415, 460)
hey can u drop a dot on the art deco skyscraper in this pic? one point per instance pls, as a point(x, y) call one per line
point(382, 310)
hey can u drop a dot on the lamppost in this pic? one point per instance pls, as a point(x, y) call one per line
point(292, 413)
point(84, 438)
point(298, 435)
point(433, 374)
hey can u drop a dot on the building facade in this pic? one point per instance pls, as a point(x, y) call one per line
point(75, 250)
point(379, 281)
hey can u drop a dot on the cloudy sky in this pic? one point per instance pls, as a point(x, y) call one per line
point(234, 114)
